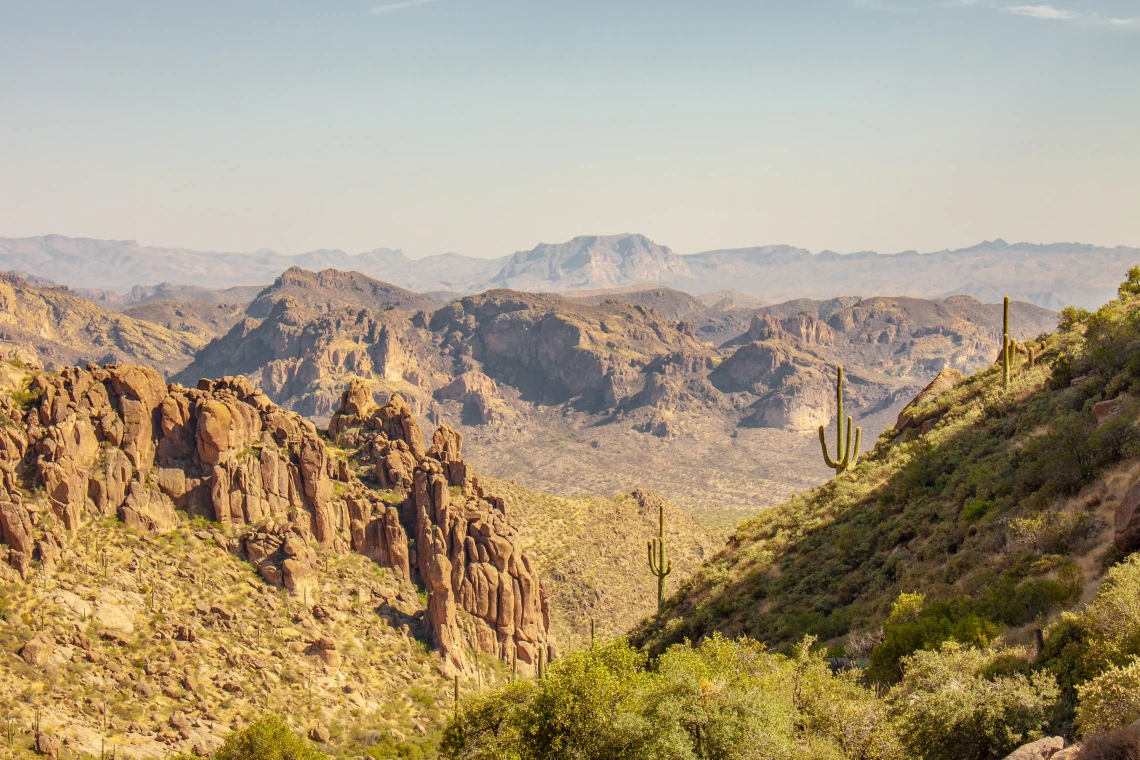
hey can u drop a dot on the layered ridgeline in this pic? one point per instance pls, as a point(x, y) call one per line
point(584, 380)
point(967, 589)
point(1051, 275)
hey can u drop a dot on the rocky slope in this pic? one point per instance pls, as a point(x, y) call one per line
point(65, 329)
point(119, 441)
point(206, 319)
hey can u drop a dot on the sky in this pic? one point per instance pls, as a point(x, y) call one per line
point(485, 127)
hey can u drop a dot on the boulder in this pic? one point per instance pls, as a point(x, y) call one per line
point(1126, 535)
point(944, 381)
point(37, 651)
point(46, 745)
point(1110, 409)
point(1042, 749)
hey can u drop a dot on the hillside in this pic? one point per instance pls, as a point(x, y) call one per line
point(1049, 275)
point(67, 330)
point(1003, 507)
point(206, 319)
point(968, 591)
point(593, 550)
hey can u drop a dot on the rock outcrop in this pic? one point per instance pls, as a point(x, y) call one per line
point(116, 440)
point(483, 592)
point(480, 397)
point(943, 381)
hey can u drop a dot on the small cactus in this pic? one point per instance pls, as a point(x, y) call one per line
point(592, 640)
point(457, 697)
point(845, 456)
point(659, 564)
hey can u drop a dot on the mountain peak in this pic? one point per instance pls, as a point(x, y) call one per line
point(594, 261)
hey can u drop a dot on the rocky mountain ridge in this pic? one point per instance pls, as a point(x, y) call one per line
point(1052, 275)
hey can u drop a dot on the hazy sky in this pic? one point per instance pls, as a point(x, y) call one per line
point(488, 126)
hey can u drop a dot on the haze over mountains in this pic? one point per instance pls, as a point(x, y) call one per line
point(1051, 275)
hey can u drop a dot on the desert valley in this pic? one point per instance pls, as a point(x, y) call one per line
point(377, 512)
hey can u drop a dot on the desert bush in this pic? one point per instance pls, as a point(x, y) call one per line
point(721, 700)
point(269, 738)
point(914, 625)
point(1111, 700)
point(1112, 618)
point(948, 709)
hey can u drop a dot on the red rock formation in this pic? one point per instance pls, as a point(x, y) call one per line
point(118, 440)
point(483, 592)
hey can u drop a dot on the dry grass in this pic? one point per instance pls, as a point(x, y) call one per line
point(593, 551)
point(115, 606)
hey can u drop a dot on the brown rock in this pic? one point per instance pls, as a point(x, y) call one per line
point(944, 381)
point(45, 745)
point(1126, 536)
point(37, 651)
point(319, 734)
point(1042, 749)
point(1107, 410)
point(16, 528)
point(222, 613)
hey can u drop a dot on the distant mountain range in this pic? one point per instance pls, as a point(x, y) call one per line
point(1053, 275)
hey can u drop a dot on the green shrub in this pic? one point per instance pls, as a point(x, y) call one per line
point(722, 700)
point(976, 509)
point(1110, 701)
point(914, 625)
point(269, 738)
point(948, 709)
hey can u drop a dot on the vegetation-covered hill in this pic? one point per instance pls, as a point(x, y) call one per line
point(155, 644)
point(996, 502)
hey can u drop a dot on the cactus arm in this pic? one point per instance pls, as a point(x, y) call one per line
point(858, 445)
point(823, 444)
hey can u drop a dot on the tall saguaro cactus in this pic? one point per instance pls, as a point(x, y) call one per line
point(659, 564)
point(845, 455)
point(1006, 358)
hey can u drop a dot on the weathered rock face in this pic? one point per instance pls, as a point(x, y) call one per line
point(803, 329)
point(1126, 535)
point(480, 397)
point(116, 440)
point(483, 593)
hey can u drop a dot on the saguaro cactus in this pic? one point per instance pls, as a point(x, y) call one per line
point(659, 564)
point(845, 455)
point(1006, 353)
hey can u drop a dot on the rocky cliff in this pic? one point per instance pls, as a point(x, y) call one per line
point(117, 440)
